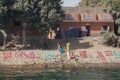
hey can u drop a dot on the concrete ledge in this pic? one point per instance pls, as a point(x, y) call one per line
point(54, 59)
point(39, 67)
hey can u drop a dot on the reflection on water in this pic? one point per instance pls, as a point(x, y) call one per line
point(65, 74)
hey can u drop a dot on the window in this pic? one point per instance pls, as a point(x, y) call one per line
point(69, 16)
point(106, 16)
point(105, 27)
point(89, 16)
point(71, 27)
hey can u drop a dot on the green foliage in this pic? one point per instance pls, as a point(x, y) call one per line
point(118, 21)
point(115, 10)
point(28, 12)
point(39, 13)
point(109, 38)
point(92, 3)
point(6, 12)
point(52, 12)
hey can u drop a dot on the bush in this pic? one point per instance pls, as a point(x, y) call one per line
point(109, 38)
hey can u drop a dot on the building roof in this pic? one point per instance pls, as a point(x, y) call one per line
point(86, 9)
point(92, 14)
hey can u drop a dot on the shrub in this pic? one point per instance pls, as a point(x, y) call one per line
point(109, 38)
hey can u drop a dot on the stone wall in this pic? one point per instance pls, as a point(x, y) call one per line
point(53, 58)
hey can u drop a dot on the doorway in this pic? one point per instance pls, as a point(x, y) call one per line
point(88, 29)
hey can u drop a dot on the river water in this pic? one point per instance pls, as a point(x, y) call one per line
point(89, 73)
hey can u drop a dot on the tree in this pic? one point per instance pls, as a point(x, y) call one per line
point(6, 12)
point(52, 13)
point(94, 3)
point(90, 3)
point(38, 13)
point(115, 11)
point(29, 14)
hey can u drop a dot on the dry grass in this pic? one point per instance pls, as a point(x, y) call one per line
point(76, 43)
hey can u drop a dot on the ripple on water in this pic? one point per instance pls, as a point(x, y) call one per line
point(89, 73)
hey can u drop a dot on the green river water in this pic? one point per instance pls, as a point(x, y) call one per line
point(89, 73)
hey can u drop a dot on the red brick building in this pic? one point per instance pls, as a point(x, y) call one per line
point(92, 19)
point(77, 22)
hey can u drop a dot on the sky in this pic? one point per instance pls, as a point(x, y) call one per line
point(71, 3)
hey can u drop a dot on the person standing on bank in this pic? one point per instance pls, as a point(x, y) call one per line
point(60, 48)
point(68, 50)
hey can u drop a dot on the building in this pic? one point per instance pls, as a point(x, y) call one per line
point(77, 22)
point(85, 21)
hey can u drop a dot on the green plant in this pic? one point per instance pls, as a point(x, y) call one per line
point(109, 38)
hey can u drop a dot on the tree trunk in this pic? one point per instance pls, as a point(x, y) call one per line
point(4, 44)
point(118, 30)
point(24, 37)
point(4, 38)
